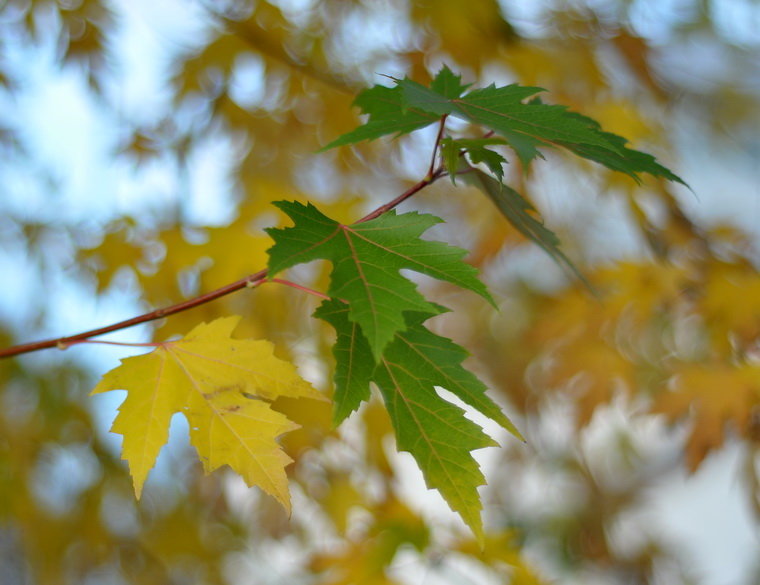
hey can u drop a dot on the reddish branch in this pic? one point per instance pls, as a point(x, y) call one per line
point(64, 342)
point(250, 281)
point(441, 128)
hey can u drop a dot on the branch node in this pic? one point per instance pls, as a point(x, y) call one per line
point(61, 344)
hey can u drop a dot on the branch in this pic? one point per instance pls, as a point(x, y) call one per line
point(441, 128)
point(404, 196)
point(256, 40)
point(250, 281)
point(63, 342)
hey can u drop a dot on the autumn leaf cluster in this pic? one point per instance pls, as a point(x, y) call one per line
point(487, 248)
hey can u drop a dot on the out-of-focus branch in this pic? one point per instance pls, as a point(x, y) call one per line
point(260, 42)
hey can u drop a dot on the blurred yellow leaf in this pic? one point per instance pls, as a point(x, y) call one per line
point(712, 396)
point(731, 304)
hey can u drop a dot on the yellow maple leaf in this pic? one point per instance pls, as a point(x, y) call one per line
point(713, 395)
point(223, 387)
point(731, 305)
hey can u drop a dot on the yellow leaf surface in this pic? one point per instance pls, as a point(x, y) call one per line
point(713, 395)
point(598, 369)
point(339, 499)
point(223, 387)
point(368, 559)
point(501, 551)
point(116, 251)
point(457, 23)
point(731, 304)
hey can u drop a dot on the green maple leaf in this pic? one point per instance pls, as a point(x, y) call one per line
point(354, 362)
point(625, 160)
point(444, 89)
point(389, 113)
point(526, 126)
point(513, 111)
point(434, 431)
point(476, 151)
point(366, 260)
point(518, 212)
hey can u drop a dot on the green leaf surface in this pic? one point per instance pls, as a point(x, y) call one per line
point(518, 211)
point(477, 151)
point(433, 430)
point(513, 111)
point(438, 98)
point(525, 125)
point(450, 155)
point(354, 362)
point(625, 160)
point(366, 260)
point(388, 114)
point(437, 434)
point(528, 125)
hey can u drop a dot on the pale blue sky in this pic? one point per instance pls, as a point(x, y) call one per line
point(72, 138)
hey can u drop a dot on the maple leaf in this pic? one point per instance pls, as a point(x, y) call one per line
point(433, 430)
point(524, 125)
point(366, 261)
point(223, 387)
point(712, 395)
point(513, 111)
point(623, 159)
point(529, 125)
point(517, 210)
point(389, 113)
point(476, 151)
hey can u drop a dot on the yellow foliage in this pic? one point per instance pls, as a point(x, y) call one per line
point(642, 289)
point(231, 390)
point(623, 118)
point(501, 551)
point(712, 396)
point(340, 498)
point(593, 370)
point(458, 22)
point(365, 560)
point(115, 252)
point(222, 386)
point(731, 305)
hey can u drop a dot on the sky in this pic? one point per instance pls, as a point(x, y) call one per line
point(75, 137)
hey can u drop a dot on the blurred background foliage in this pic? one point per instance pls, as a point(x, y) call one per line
point(142, 144)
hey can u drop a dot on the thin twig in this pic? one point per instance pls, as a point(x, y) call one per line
point(437, 174)
point(258, 41)
point(122, 343)
point(441, 128)
point(250, 281)
point(63, 342)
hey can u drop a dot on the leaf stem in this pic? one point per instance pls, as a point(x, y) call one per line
point(250, 281)
point(311, 291)
point(63, 342)
point(437, 174)
point(102, 342)
point(441, 127)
